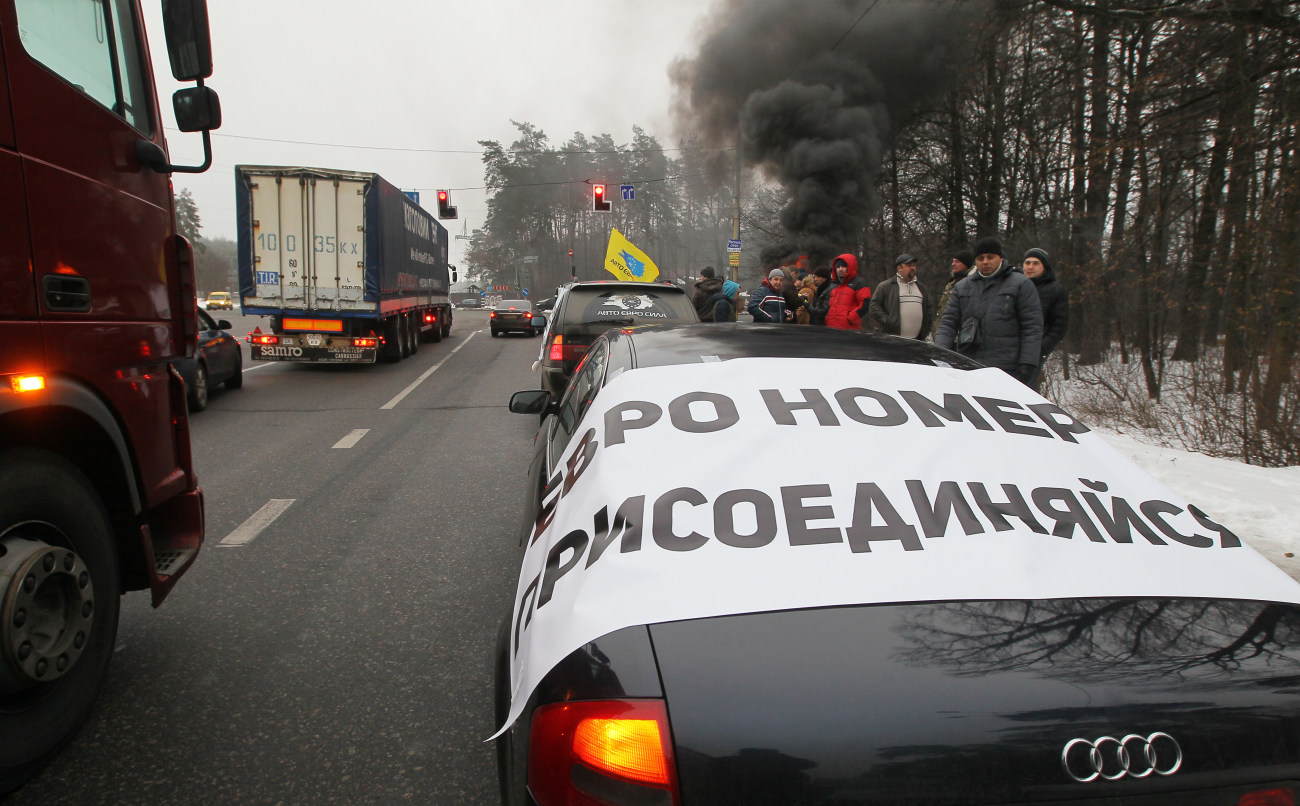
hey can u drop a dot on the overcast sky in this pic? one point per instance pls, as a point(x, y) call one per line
point(377, 76)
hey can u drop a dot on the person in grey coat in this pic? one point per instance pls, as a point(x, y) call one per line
point(994, 316)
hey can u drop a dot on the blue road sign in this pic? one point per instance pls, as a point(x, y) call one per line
point(413, 195)
point(733, 245)
point(629, 192)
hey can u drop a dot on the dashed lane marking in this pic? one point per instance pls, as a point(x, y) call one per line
point(351, 439)
point(257, 523)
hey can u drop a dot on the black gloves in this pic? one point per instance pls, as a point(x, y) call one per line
point(1025, 373)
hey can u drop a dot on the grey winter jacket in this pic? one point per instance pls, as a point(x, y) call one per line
point(1011, 318)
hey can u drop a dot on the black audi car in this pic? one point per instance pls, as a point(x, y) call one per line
point(781, 565)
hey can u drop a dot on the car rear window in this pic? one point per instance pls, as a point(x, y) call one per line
point(517, 304)
point(607, 307)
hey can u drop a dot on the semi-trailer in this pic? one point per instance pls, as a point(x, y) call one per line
point(348, 267)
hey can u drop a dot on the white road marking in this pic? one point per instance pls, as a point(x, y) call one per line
point(264, 517)
point(262, 365)
point(392, 403)
point(351, 439)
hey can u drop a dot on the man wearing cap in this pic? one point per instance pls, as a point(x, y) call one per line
point(962, 263)
point(767, 302)
point(897, 304)
point(706, 290)
point(993, 316)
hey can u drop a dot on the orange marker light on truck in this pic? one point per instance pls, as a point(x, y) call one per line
point(27, 383)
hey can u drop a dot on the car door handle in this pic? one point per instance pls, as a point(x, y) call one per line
point(67, 293)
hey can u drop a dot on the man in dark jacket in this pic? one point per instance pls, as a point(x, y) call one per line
point(705, 288)
point(767, 302)
point(898, 307)
point(962, 263)
point(993, 316)
point(1053, 297)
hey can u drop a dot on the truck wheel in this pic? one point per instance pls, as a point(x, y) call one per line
point(415, 332)
point(435, 335)
point(59, 602)
point(404, 331)
point(198, 396)
point(445, 329)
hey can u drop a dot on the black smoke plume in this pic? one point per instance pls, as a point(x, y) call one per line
point(815, 115)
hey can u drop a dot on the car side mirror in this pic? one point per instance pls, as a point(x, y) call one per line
point(532, 401)
point(224, 324)
point(539, 320)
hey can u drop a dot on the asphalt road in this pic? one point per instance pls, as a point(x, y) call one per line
point(343, 655)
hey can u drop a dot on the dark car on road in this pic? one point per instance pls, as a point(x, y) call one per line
point(782, 565)
point(513, 316)
point(218, 360)
point(585, 310)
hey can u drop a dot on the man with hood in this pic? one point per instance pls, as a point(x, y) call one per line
point(705, 288)
point(962, 262)
point(848, 295)
point(993, 316)
point(1052, 296)
point(724, 302)
point(767, 302)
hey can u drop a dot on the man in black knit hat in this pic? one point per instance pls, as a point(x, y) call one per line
point(994, 317)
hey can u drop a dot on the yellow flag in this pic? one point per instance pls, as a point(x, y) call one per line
point(626, 262)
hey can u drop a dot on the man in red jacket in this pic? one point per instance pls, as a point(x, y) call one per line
point(849, 294)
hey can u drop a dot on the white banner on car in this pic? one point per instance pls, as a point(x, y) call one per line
point(760, 484)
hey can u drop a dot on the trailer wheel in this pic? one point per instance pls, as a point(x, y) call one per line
point(59, 603)
point(415, 332)
point(435, 335)
point(404, 331)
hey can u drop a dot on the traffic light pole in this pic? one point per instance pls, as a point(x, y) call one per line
point(735, 216)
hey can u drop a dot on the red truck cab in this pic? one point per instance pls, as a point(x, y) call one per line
point(97, 488)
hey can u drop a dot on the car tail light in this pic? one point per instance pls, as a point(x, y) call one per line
point(602, 753)
point(528, 314)
point(1268, 797)
point(494, 315)
point(27, 383)
point(365, 341)
point(266, 339)
point(565, 352)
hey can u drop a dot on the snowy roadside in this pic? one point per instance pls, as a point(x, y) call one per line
point(1259, 504)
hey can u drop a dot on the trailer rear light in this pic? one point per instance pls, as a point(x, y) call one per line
point(602, 752)
point(365, 342)
point(266, 339)
point(27, 383)
point(428, 317)
point(1268, 797)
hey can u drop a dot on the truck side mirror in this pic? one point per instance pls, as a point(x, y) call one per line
point(197, 109)
point(189, 40)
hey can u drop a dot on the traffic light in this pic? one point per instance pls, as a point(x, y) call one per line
point(445, 210)
point(598, 201)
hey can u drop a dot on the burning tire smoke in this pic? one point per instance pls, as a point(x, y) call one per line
point(815, 115)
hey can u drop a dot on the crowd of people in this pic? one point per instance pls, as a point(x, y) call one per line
point(1003, 315)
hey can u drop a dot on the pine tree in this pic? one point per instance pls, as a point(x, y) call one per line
point(187, 219)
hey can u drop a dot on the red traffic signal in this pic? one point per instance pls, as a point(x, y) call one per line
point(445, 210)
point(598, 202)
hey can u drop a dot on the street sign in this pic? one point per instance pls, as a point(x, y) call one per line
point(528, 259)
point(525, 292)
point(413, 195)
point(629, 192)
point(482, 295)
point(733, 260)
point(733, 245)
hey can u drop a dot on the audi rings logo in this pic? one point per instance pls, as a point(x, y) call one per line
point(1111, 759)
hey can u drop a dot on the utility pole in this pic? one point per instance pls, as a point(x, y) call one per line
point(735, 216)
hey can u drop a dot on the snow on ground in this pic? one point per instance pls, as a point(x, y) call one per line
point(1260, 504)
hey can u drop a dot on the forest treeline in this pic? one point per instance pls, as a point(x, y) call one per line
point(1150, 146)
